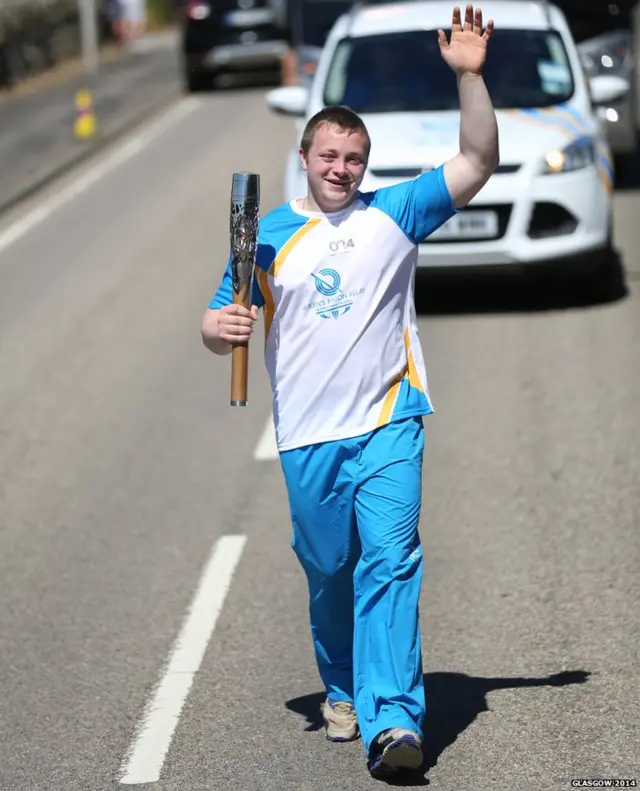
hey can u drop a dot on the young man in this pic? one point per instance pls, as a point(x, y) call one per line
point(335, 275)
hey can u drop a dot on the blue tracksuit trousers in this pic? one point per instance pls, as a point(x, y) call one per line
point(355, 507)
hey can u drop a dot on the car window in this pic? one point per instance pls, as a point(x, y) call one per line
point(313, 19)
point(405, 72)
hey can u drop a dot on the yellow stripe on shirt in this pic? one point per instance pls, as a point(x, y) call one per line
point(412, 371)
point(390, 399)
point(269, 302)
point(276, 266)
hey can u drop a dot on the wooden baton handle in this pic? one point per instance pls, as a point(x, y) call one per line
point(240, 360)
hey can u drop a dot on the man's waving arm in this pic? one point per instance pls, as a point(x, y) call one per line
point(469, 170)
point(420, 206)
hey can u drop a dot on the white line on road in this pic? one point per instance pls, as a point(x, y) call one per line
point(266, 448)
point(155, 731)
point(125, 151)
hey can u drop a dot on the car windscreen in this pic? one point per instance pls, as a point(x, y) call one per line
point(405, 72)
point(313, 19)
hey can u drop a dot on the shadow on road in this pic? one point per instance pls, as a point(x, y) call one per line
point(454, 700)
point(509, 290)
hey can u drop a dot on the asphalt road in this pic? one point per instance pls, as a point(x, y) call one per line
point(122, 466)
point(38, 138)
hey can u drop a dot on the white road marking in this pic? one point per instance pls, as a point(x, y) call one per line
point(125, 151)
point(266, 448)
point(155, 730)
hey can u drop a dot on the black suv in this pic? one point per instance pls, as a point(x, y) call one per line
point(227, 36)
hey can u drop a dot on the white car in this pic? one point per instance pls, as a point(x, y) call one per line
point(551, 197)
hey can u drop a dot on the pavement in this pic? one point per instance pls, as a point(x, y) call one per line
point(131, 653)
point(38, 140)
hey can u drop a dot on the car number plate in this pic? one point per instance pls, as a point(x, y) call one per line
point(470, 224)
point(248, 17)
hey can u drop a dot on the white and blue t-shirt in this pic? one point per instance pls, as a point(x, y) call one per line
point(342, 348)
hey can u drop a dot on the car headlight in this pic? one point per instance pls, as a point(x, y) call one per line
point(577, 155)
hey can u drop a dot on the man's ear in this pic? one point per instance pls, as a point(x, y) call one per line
point(303, 159)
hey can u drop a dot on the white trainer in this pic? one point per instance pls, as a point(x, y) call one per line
point(340, 721)
point(396, 749)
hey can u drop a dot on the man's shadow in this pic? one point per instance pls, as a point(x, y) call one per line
point(454, 700)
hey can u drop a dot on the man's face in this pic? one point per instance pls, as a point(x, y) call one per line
point(335, 166)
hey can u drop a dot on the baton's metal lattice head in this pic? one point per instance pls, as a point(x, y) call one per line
point(243, 229)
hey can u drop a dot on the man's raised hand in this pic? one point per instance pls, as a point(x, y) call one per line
point(467, 50)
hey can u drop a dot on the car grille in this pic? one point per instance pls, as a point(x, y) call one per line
point(219, 6)
point(503, 211)
point(230, 36)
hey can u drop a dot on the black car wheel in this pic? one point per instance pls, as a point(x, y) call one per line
point(197, 80)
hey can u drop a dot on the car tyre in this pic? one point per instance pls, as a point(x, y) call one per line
point(606, 277)
point(197, 81)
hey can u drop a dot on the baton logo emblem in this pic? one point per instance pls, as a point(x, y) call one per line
point(328, 283)
point(335, 302)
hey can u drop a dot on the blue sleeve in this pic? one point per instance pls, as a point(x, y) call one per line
point(420, 206)
point(224, 294)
